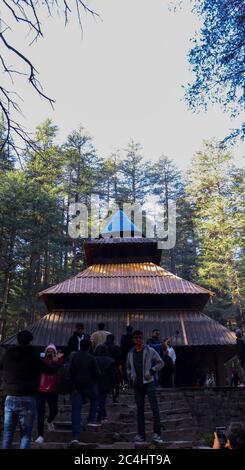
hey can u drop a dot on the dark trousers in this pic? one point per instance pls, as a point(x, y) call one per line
point(101, 405)
point(52, 400)
point(116, 388)
point(140, 391)
point(77, 401)
point(124, 372)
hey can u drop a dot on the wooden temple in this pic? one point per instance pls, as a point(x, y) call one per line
point(125, 284)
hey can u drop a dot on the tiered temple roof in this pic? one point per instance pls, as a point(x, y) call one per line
point(124, 283)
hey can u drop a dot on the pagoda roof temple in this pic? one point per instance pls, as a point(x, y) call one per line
point(124, 283)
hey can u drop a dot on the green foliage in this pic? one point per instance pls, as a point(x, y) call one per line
point(6, 159)
point(168, 184)
point(36, 250)
point(134, 183)
point(216, 194)
point(217, 58)
point(208, 438)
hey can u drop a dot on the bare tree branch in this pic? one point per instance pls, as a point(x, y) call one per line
point(27, 14)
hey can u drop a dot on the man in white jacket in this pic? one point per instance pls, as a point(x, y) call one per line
point(142, 362)
point(172, 354)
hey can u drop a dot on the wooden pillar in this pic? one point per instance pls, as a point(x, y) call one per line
point(220, 368)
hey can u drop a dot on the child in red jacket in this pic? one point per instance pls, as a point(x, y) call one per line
point(48, 392)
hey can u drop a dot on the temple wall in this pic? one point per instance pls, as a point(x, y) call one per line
point(216, 406)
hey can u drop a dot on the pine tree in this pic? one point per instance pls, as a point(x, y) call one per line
point(13, 190)
point(210, 189)
point(44, 163)
point(134, 183)
point(168, 185)
point(7, 160)
point(42, 229)
point(110, 176)
point(82, 180)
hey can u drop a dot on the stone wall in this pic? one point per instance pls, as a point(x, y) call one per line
point(1, 405)
point(216, 406)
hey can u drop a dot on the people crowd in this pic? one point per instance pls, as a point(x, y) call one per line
point(22, 376)
point(91, 369)
point(94, 367)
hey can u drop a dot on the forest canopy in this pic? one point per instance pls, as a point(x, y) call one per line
point(36, 250)
point(217, 58)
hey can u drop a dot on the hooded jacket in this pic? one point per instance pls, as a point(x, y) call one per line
point(48, 382)
point(84, 372)
point(151, 363)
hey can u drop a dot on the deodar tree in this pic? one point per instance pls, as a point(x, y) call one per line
point(218, 58)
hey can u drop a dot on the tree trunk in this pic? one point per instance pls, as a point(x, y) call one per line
point(7, 282)
point(46, 268)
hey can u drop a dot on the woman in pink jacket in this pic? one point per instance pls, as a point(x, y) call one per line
point(47, 392)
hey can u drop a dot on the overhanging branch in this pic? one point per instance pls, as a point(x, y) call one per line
point(27, 14)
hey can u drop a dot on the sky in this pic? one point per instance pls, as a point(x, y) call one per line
point(122, 79)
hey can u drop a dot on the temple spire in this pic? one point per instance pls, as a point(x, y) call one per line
point(120, 225)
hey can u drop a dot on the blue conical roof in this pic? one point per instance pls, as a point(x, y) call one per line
point(119, 224)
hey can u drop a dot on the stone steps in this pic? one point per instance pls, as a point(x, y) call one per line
point(190, 434)
point(108, 437)
point(164, 414)
point(119, 445)
point(112, 426)
point(125, 408)
point(179, 428)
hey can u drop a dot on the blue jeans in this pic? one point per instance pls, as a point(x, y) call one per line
point(140, 391)
point(156, 378)
point(93, 395)
point(76, 408)
point(77, 401)
point(22, 410)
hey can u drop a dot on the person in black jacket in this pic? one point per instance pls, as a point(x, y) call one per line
point(240, 348)
point(155, 337)
point(127, 343)
point(116, 354)
point(22, 367)
point(107, 379)
point(75, 340)
point(85, 374)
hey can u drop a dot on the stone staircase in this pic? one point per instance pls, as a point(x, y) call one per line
point(179, 426)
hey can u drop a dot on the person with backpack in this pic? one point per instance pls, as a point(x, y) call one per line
point(47, 392)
